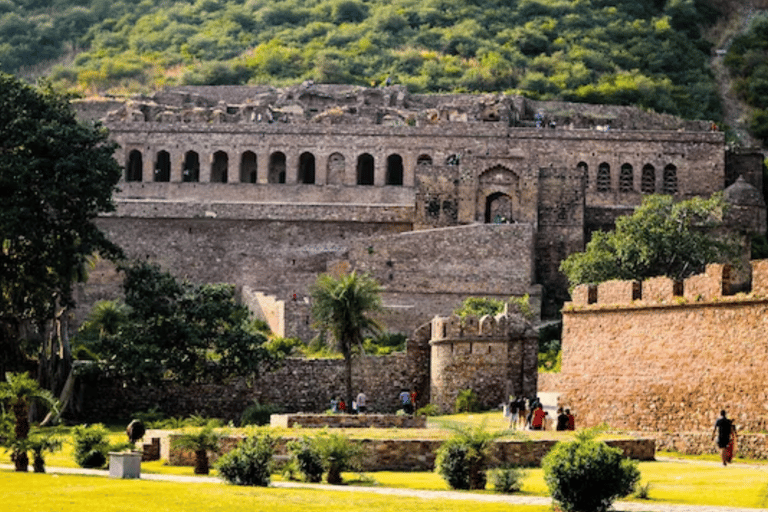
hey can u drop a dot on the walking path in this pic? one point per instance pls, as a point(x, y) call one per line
point(620, 506)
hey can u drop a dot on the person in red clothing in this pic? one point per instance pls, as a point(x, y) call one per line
point(571, 420)
point(537, 420)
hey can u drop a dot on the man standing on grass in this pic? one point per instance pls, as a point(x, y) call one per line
point(725, 431)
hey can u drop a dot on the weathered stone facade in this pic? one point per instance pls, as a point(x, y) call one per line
point(267, 188)
point(659, 356)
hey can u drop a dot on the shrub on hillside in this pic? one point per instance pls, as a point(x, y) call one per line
point(586, 475)
point(250, 463)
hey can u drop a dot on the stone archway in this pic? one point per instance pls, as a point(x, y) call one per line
point(498, 196)
point(498, 209)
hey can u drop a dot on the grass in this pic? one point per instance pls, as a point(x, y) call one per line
point(23, 492)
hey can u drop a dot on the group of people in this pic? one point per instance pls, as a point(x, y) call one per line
point(407, 400)
point(530, 414)
point(339, 406)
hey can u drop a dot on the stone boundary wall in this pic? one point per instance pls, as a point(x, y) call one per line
point(420, 454)
point(347, 421)
point(752, 446)
point(305, 385)
point(670, 360)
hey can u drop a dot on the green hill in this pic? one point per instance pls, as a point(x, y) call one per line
point(648, 53)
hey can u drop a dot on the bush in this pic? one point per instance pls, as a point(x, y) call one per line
point(91, 445)
point(307, 459)
point(507, 480)
point(428, 410)
point(467, 401)
point(587, 475)
point(461, 460)
point(250, 463)
point(339, 454)
point(258, 414)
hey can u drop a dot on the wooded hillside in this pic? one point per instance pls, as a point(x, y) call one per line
point(648, 53)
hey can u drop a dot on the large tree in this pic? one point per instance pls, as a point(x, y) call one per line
point(57, 175)
point(661, 238)
point(341, 306)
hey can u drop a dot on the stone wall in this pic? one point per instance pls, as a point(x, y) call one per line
point(304, 420)
point(420, 454)
point(664, 359)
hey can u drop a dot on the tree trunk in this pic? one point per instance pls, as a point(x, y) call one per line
point(334, 474)
point(20, 460)
point(348, 380)
point(38, 464)
point(201, 462)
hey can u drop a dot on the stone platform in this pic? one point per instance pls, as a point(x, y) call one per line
point(307, 420)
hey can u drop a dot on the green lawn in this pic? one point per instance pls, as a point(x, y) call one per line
point(24, 492)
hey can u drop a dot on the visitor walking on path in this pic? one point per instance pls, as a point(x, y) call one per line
point(725, 431)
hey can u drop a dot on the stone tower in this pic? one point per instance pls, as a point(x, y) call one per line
point(494, 356)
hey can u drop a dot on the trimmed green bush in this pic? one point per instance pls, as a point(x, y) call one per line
point(91, 445)
point(250, 463)
point(507, 480)
point(462, 459)
point(339, 454)
point(467, 401)
point(307, 459)
point(258, 414)
point(587, 475)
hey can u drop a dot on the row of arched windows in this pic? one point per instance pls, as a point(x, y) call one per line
point(604, 182)
point(276, 172)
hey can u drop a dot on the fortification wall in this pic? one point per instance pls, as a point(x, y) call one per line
point(655, 356)
point(299, 385)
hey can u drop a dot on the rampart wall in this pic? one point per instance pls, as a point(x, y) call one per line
point(667, 356)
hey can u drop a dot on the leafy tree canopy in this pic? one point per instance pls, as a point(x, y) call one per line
point(56, 175)
point(181, 331)
point(662, 238)
point(648, 53)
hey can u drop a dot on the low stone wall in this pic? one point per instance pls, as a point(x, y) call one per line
point(419, 454)
point(752, 446)
point(347, 421)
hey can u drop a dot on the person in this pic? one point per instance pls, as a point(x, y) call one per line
point(521, 412)
point(562, 419)
point(725, 431)
point(538, 417)
point(361, 399)
point(413, 400)
point(571, 420)
point(405, 401)
point(334, 405)
point(342, 406)
point(512, 411)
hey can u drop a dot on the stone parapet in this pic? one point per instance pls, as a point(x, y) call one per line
point(618, 292)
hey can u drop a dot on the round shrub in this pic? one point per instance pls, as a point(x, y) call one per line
point(91, 445)
point(453, 465)
point(507, 480)
point(587, 475)
point(462, 459)
point(250, 463)
point(258, 414)
point(307, 459)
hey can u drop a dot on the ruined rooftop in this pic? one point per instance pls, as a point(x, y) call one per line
point(389, 106)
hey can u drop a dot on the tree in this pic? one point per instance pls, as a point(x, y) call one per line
point(178, 329)
point(341, 306)
point(200, 442)
point(19, 391)
point(662, 238)
point(56, 176)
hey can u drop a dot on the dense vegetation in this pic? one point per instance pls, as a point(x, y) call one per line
point(644, 52)
point(747, 60)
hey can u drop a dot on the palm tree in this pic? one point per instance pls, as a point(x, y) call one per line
point(19, 390)
point(200, 442)
point(340, 306)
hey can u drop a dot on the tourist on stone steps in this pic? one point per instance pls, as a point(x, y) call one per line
point(405, 402)
point(361, 398)
point(725, 431)
point(562, 419)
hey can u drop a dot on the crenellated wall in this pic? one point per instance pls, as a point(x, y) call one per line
point(495, 357)
point(660, 355)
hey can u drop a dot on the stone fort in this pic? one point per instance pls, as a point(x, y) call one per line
point(440, 197)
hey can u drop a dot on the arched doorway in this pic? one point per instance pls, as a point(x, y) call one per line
point(498, 209)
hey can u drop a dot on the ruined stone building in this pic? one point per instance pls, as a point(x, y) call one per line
point(440, 197)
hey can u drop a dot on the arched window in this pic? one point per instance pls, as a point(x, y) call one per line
point(394, 170)
point(365, 169)
point(219, 167)
point(453, 160)
point(134, 166)
point(276, 168)
point(248, 167)
point(191, 172)
point(306, 168)
point(583, 169)
point(163, 166)
point(626, 177)
point(424, 160)
point(648, 180)
point(336, 169)
point(603, 177)
point(670, 180)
